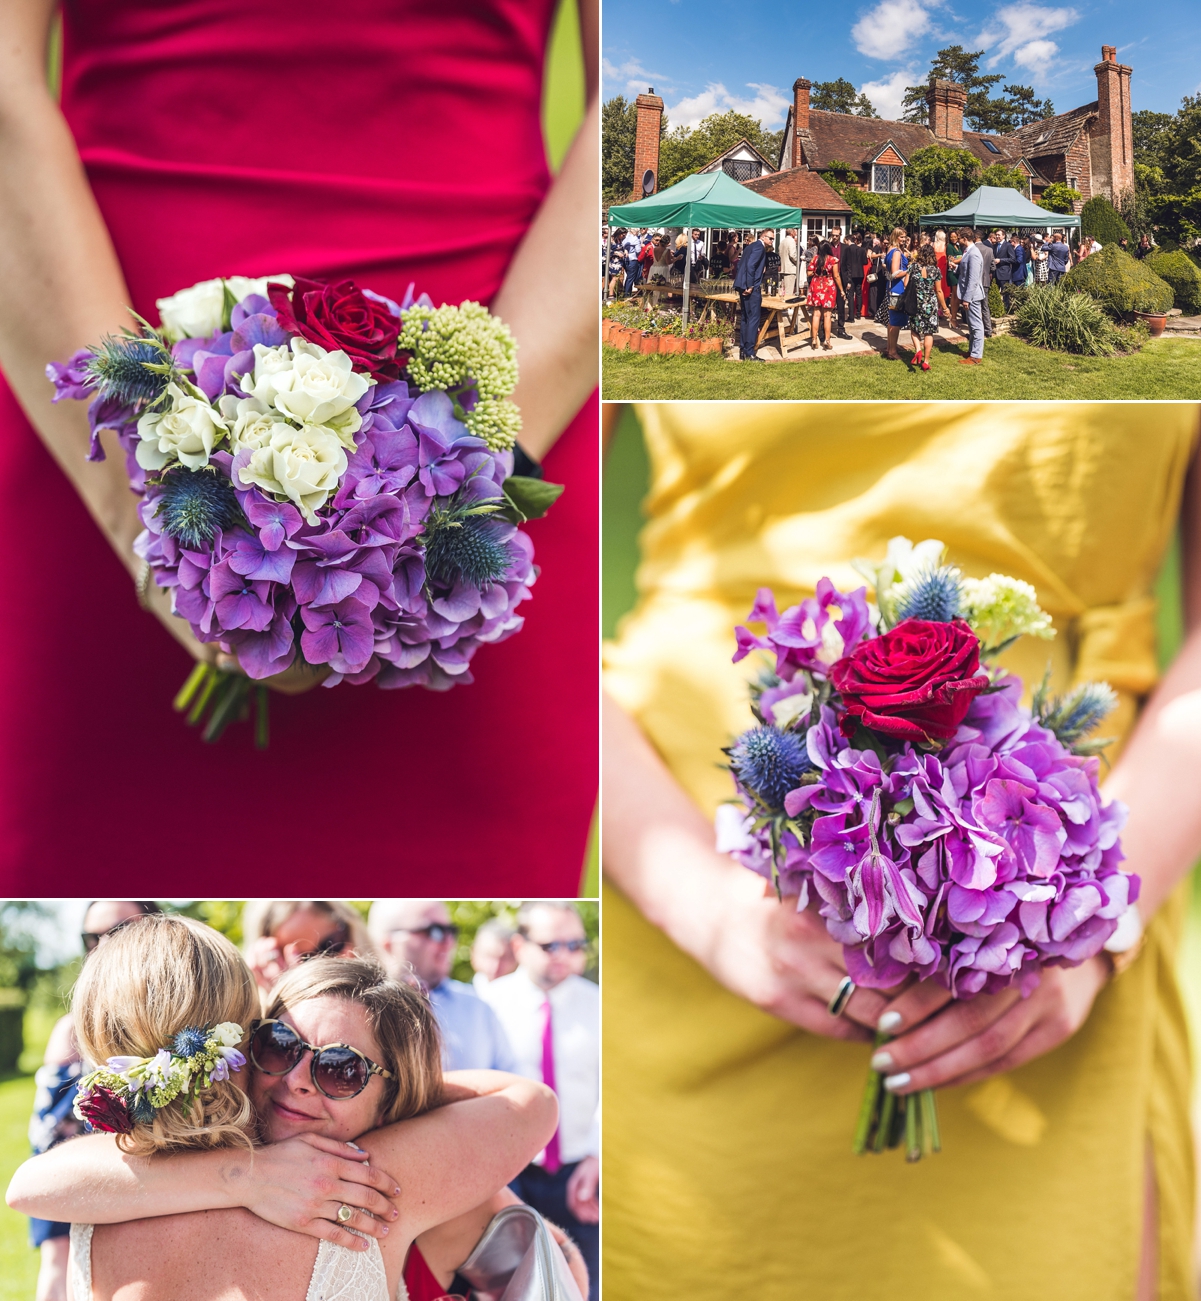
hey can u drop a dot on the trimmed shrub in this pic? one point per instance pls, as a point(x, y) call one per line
point(1100, 219)
point(1181, 272)
point(1120, 282)
point(996, 306)
point(1055, 318)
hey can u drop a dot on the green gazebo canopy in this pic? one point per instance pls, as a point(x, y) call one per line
point(994, 205)
point(707, 199)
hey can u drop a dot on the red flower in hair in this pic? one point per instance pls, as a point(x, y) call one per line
point(107, 1111)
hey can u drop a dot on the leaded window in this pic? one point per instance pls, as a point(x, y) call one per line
point(888, 179)
point(742, 169)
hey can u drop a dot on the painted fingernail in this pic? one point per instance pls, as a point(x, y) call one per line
point(385, 1229)
point(394, 1213)
point(882, 1061)
point(894, 1082)
point(889, 1022)
point(396, 1192)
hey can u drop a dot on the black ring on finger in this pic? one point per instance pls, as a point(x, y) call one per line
point(842, 996)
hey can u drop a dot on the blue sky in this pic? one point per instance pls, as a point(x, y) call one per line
point(706, 56)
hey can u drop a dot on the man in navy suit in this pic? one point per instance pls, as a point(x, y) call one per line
point(748, 281)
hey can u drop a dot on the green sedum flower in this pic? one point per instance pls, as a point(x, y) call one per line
point(999, 609)
point(463, 350)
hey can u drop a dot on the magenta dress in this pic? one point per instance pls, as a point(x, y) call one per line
point(388, 140)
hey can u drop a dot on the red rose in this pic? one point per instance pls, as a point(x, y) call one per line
point(915, 682)
point(105, 1110)
point(342, 317)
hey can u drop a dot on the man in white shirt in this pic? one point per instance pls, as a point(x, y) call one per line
point(416, 937)
point(788, 261)
point(551, 1015)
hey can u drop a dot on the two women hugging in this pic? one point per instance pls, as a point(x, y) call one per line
point(307, 1148)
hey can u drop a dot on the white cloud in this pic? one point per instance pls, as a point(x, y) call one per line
point(630, 76)
point(887, 93)
point(769, 104)
point(888, 30)
point(1021, 31)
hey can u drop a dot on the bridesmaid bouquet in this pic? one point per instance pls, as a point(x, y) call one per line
point(944, 832)
point(326, 478)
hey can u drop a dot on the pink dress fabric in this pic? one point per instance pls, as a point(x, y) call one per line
point(388, 140)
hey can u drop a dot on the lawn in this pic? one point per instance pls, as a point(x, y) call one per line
point(1165, 368)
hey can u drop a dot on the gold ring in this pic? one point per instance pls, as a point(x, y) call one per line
point(842, 996)
point(344, 1214)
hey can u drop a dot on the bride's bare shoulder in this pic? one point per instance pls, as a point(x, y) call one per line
point(201, 1256)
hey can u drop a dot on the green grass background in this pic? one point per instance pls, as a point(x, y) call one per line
point(562, 113)
point(1165, 368)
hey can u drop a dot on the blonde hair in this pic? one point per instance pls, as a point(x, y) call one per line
point(151, 979)
point(262, 917)
point(900, 235)
point(401, 1019)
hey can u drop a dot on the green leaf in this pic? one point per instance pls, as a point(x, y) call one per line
point(228, 303)
point(528, 498)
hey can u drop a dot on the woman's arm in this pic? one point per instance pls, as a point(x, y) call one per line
point(293, 1184)
point(450, 1160)
point(659, 850)
point(548, 297)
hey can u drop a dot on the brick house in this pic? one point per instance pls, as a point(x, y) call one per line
point(1088, 148)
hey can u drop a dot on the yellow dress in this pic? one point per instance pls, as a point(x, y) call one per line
point(728, 1168)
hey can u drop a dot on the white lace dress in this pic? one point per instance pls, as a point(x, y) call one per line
point(338, 1273)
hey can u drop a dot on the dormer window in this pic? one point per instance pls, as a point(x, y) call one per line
point(742, 169)
point(887, 179)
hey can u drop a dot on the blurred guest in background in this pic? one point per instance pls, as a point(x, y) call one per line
point(417, 937)
point(551, 1015)
point(492, 953)
point(279, 933)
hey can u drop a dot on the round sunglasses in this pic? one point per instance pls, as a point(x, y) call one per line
point(338, 1070)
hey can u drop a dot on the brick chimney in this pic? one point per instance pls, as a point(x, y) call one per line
point(795, 156)
point(646, 143)
point(1111, 146)
point(947, 100)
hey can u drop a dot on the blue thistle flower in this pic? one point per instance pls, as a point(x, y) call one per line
point(769, 763)
point(195, 504)
point(458, 544)
point(140, 1109)
point(1074, 715)
point(188, 1042)
point(934, 595)
point(121, 369)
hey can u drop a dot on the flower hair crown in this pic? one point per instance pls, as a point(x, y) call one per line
point(126, 1091)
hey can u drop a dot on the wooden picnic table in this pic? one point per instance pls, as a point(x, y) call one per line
point(777, 312)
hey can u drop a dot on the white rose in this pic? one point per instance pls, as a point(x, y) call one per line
point(309, 385)
point(304, 465)
point(251, 424)
point(196, 312)
point(188, 431)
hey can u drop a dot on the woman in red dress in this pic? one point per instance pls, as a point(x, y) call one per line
point(825, 284)
point(389, 141)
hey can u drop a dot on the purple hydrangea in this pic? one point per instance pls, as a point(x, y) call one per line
point(810, 636)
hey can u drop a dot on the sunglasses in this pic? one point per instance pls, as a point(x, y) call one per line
point(338, 1070)
point(560, 946)
point(333, 944)
point(436, 932)
point(91, 939)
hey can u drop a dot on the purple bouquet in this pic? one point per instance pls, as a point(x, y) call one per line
point(326, 478)
point(895, 783)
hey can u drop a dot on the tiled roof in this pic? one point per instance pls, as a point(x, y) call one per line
point(799, 188)
point(1060, 132)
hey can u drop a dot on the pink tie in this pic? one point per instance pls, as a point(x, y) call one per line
point(550, 1162)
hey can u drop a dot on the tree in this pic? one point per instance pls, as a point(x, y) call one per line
point(1009, 178)
point(619, 124)
point(1100, 219)
point(687, 149)
point(1017, 107)
point(1058, 197)
point(840, 97)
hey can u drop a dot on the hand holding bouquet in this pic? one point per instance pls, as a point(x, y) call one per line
point(894, 779)
point(326, 478)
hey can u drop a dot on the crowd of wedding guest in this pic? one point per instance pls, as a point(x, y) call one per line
point(528, 1009)
point(910, 284)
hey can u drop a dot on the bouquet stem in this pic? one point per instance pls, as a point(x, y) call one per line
point(231, 696)
point(887, 1120)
